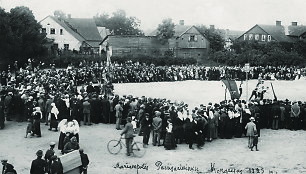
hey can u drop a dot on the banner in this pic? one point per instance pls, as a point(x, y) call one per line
point(232, 88)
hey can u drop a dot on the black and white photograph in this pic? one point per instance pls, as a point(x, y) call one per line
point(152, 87)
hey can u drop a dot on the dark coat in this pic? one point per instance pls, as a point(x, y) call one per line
point(56, 167)
point(38, 166)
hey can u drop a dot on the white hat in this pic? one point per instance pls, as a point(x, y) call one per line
point(252, 118)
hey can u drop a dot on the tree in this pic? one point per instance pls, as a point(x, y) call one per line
point(6, 35)
point(60, 14)
point(119, 23)
point(27, 39)
point(215, 39)
point(165, 30)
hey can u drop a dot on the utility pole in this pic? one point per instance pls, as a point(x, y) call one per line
point(247, 69)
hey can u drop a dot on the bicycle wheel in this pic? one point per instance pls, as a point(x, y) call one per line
point(114, 146)
point(138, 149)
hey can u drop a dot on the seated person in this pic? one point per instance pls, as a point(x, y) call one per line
point(71, 146)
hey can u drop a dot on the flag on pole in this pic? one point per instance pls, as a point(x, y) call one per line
point(232, 88)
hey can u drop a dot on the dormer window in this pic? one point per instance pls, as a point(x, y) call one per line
point(263, 37)
point(250, 36)
point(245, 36)
point(61, 31)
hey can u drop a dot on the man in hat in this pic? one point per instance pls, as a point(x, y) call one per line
point(118, 113)
point(56, 166)
point(8, 105)
point(48, 108)
point(86, 111)
point(85, 162)
point(129, 135)
point(7, 168)
point(38, 166)
point(251, 129)
point(49, 153)
point(157, 128)
point(146, 126)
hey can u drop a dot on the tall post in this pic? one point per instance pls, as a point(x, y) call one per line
point(247, 69)
point(247, 89)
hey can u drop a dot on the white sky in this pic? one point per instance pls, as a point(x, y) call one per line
point(226, 14)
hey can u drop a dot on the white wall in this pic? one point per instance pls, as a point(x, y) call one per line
point(65, 38)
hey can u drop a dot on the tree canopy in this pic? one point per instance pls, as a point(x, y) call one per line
point(165, 30)
point(20, 35)
point(119, 23)
point(215, 39)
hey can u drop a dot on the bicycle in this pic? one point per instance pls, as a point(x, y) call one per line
point(115, 146)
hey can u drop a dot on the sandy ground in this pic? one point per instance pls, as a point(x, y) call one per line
point(281, 151)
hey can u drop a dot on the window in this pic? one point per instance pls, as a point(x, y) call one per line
point(52, 31)
point(191, 38)
point(263, 37)
point(43, 30)
point(269, 37)
point(250, 36)
point(61, 31)
point(66, 46)
point(245, 37)
point(256, 36)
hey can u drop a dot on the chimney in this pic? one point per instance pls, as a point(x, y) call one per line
point(294, 23)
point(212, 27)
point(69, 16)
point(181, 22)
point(278, 23)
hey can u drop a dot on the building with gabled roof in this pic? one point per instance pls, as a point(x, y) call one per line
point(79, 34)
point(187, 42)
point(276, 33)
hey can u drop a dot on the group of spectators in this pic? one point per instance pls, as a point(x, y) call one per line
point(56, 95)
point(134, 72)
point(130, 72)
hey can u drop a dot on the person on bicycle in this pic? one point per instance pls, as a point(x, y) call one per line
point(129, 135)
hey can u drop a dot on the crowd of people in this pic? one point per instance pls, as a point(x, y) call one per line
point(51, 96)
point(134, 72)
